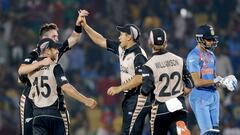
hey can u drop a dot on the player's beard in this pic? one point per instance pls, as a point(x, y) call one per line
point(123, 46)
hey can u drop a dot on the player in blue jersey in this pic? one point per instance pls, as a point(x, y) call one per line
point(204, 98)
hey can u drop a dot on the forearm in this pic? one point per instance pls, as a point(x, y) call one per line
point(74, 39)
point(72, 92)
point(28, 68)
point(203, 83)
point(136, 81)
point(199, 82)
point(95, 36)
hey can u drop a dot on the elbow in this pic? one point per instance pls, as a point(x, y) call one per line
point(21, 70)
point(146, 89)
point(197, 84)
point(66, 87)
point(189, 83)
point(144, 92)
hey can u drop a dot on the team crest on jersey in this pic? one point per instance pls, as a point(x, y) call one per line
point(212, 31)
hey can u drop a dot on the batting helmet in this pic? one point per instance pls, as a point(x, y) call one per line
point(206, 32)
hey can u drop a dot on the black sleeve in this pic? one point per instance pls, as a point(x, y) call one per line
point(187, 78)
point(59, 75)
point(148, 81)
point(112, 46)
point(31, 57)
point(23, 78)
point(28, 60)
point(64, 48)
point(139, 61)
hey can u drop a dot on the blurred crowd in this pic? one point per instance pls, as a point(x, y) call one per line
point(93, 70)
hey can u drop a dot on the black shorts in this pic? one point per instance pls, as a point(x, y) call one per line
point(163, 121)
point(26, 115)
point(134, 112)
point(54, 122)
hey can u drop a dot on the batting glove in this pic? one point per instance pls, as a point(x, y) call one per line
point(218, 79)
point(230, 82)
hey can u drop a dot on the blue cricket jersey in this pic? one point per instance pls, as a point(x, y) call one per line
point(204, 63)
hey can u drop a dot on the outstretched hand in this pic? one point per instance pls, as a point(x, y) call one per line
point(81, 17)
point(113, 91)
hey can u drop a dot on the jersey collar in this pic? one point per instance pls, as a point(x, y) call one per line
point(160, 52)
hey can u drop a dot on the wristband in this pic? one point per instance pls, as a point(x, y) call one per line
point(78, 29)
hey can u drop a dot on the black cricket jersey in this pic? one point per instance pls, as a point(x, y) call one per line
point(131, 60)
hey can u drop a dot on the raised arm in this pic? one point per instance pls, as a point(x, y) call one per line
point(76, 34)
point(95, 36)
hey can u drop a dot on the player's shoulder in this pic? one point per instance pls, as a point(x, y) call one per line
point(175, 56)
point(143, 52)
point(194, 52)
point(139, 51)
point(211, 52)
point(56, 67)
point(150, 62)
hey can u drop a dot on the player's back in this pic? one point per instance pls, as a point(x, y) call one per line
point(167, 71)
point(44, 92)
point(50, 115)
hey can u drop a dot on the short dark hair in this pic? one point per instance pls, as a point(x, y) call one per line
point(47, 27)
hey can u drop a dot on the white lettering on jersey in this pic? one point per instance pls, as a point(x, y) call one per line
point(127, 65)
point(167, 72)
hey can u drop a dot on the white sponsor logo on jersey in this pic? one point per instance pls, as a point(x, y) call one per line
point(28, 119)
point(27, 60)
point(63, 78)
point(144, 75)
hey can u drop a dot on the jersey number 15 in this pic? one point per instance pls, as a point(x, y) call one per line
point(42, 85)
